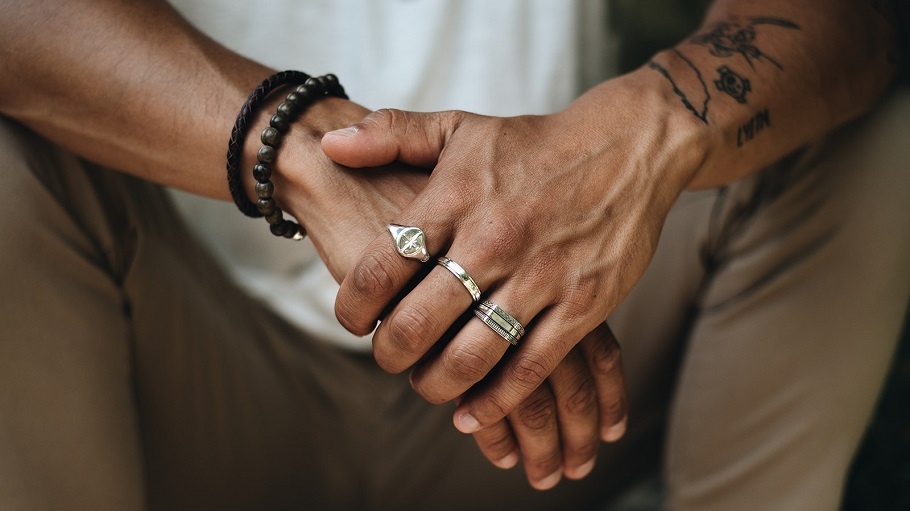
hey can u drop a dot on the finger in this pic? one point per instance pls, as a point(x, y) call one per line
point(420, 319)
point(380, 273)
point(576, 402)
point(476, 350)
point(388, 135)
point(377, 277)
point(604, 357)
point(498, 444)
point(547, 342)
point(534, 422)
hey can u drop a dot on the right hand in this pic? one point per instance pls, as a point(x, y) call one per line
point(558, 429)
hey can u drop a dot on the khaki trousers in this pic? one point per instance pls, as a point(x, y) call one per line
point(135, 375)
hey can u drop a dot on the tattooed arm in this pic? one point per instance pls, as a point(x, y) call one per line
point(765, 78)
point(556, 217)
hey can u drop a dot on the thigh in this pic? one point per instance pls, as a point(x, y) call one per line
point(808, 277)
point(69, 435)
point(134, 374)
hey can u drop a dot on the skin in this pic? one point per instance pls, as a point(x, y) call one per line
point(159, 104)
point(556, 217)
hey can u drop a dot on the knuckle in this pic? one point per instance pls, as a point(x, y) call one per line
point(491, 407)
point(537, 413)
point(427, 392)
point(370, 278)
point(544, 463)
point(466, 364)
point(528, 371)
point(606, 358)
point(582, 399)
point(615, 408)
point(384, 118)
point(412, 328)
point(500, 444)
point(587, 449)
point(503, 234)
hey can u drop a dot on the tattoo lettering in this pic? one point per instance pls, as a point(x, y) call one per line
point(753, 127)
point(734, 85)
point(691, 95)
point(730, 38)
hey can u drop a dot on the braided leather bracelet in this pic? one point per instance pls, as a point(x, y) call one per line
point(296, 102)
point(238, 135)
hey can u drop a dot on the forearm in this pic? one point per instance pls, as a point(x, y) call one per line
point(755, 82)
point(129, 85)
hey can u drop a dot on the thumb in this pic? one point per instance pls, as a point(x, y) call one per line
point(388, 135)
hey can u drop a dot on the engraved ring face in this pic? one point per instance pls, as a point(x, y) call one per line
point(410, 242)
point(500, 321)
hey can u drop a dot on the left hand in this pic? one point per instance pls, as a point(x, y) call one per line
point(557, 431)
point(555, 218)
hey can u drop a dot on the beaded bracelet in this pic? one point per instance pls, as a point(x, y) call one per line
point(296, 102)
point(238, 135)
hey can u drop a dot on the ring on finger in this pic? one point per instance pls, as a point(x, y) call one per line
point(500, 321)
point(462, 275)
point(410, 242)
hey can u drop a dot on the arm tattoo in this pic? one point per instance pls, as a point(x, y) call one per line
point(702, 112)
point(730, 38)
point(753, 127)
point(733, 84)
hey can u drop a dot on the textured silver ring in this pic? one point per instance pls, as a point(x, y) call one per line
point(500, 321)
point(410, 242)
point(462, 275)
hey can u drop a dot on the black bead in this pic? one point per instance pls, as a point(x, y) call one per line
point(275, 217)
point(331, 79)
point(265, 190)
point(278, 229)
point(280, 122)
point(292, 229)
point(297, 99)
point(270, 136)
point(289, 109)
point(266, 206)
point(266, 154)
point(314, 85)
point(262, 172)
point(305, 93)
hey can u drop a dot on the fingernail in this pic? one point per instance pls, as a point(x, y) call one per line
point(509, 461)
point(344, 132)
point(581, 471)
point(548, 482)
point(466, 423)
point(614, 432)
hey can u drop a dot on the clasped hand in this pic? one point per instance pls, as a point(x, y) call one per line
point(555, 218)
point(552, 227)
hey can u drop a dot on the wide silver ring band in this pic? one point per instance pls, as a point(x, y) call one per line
point(462, 275)
point(500, 321)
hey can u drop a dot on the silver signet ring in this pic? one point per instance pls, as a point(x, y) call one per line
point(410, 242)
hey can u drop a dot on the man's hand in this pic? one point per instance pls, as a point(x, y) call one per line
point(557, 430)
point(554, 217)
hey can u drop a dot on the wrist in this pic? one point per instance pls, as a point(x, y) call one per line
point(301, 169)
point(279, 128)
point(637, 114)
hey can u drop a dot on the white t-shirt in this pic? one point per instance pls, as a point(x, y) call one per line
point(503, 57)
